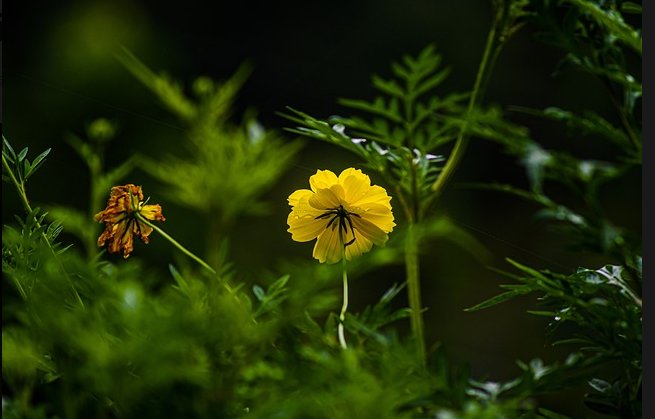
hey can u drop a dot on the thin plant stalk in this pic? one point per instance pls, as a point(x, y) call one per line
point(181, 248)
point(414, 288)
point(344, 307)
point(492, 50)
point(19, 186)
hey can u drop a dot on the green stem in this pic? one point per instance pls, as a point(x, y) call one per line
point(181, 248)
point(20, 187)
point(344, 307)
point(489, 57)
point(414, 288)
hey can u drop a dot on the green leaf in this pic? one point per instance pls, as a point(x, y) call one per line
point(279, 285)
point(500, 298)
point(39, 159)
point(168, 91)
point(613, 22)
point(389, 87)
point(532, 272)
point(591, 123)
point(431, 82)
point(378, 107)
point(31, 168)
point(8, 151)
point(22, 154)
point(630, 7)
point(259, 292)
point(601, 386)
point(549, 414)
point(182, 283)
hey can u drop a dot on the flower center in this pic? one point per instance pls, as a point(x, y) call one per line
point(343, 220)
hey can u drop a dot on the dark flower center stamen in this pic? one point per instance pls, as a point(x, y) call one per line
point(344, 221)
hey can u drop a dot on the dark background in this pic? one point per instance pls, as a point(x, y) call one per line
point(62, 74)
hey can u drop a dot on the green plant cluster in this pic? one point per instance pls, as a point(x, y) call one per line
point(88, 336)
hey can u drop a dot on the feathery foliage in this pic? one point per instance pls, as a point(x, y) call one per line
point(88, 335)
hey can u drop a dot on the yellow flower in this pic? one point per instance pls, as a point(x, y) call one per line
point(121, 221)
point(345, 210)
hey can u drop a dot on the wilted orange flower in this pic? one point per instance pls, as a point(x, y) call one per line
point(121, 221)
point(345, 210)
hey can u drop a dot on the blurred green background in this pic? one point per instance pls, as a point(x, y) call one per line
point(62, 74)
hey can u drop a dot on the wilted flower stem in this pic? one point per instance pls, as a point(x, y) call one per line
point(183, 249)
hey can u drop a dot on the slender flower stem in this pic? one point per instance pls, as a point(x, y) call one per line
point(344, 307)
point(414, 288)
point(181, 248)
point(491, 52)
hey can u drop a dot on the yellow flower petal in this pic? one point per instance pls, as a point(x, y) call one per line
point(379, 215)
point(357, 173)
point(374, 194)
point(328, 247)
point(294, 198)
point(305, 228)
point(370, 231)
point(355, 187)
point(326, 199)
point(359, 246)
point(323, 179)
